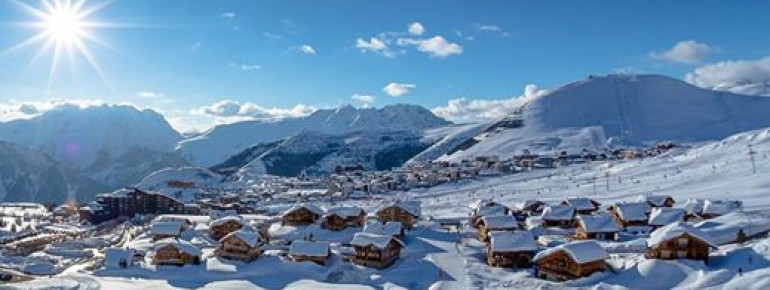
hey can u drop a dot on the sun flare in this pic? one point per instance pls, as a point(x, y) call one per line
point(63, 30)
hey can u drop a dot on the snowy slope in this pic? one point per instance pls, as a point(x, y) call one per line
point(32, 176)
point(200, 178)
point(627, 110)
point(316, 153)
point(99, 139)
point(223, 141)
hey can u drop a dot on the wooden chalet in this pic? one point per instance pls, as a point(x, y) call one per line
point(243, 245)
point(562, 216)
point(632, 214)
point(406, 212)
point(601, 226)
point(166, 229)
point(531, 207)
point(511, 249)
point(172, 251)
point(338, 218)
point(393, 229)
point(489, 224)
point(657, 200)
point(482, 208)
point(375, 251)
point(221, 227)
point(570, 261)
point(663, 216)
point(309, 251)
point(679, 241)
point(301, 214)
point(582, 205)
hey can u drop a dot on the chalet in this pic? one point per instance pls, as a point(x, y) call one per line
point(511, 249)
point(531, 207)
point(393, 229)
point(630, 215)
point(657, 200)
point(663, 216)
point(338, 218)
point(301, 214)
point(570, 261)
point(558, 216)
point(482, 208)
point(221, 227)
point(309, 251)
point(172, 251)
point(715, 208)
point(679, 241)
point(601, 226)
point(166, 229)
point(489, 224)
point(243, 245)
point(129, 202)
point(525, 160)
point(582, 205)
point(375, 251)
point(406, 212)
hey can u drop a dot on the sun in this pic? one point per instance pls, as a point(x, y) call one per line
point(64, 28)
point(64, 25)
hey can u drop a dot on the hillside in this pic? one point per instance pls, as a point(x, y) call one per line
point(625, 110)
point(32, 176)
point(224, 141)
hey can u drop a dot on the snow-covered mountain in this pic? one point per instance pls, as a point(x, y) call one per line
point(116, 145)
point(624, 110)
point(317, 153)
point(30, 175)
point(221, 142)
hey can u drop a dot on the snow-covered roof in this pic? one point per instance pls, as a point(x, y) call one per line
point(512, 241)
point(309, 206)
point(598, 223)
point(249, 237)
point(167, 228)
point(581, 251)
point(654, 200)
point(182, 245)
point(558, 213)
point(499, 222)
point(693, 206)
point(413, 207)
point(675, 230)
point(224, 220)
point(378, 241)
point(581, 203)
point(344, 212)
point(392, 228)
point(720, 207)
point(633, 211)
point(661, 216)
point(308, 248)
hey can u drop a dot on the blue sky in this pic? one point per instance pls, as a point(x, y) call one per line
point(181, 57)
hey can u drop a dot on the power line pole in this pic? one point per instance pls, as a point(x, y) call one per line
point(751, 156)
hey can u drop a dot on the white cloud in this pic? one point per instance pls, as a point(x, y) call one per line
point(24, 110)
point(436, 46)
point(271, 35)
point(738, 76)
point(462, 110)
point(227, 15)
point(364, 99)
point(416, 28)
point(232, 110)
point(398, 89)
point(376, 45)
point(306, 49)
point(150, 95)
point(482, 27)
point(245, 67)
point(686, 52)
